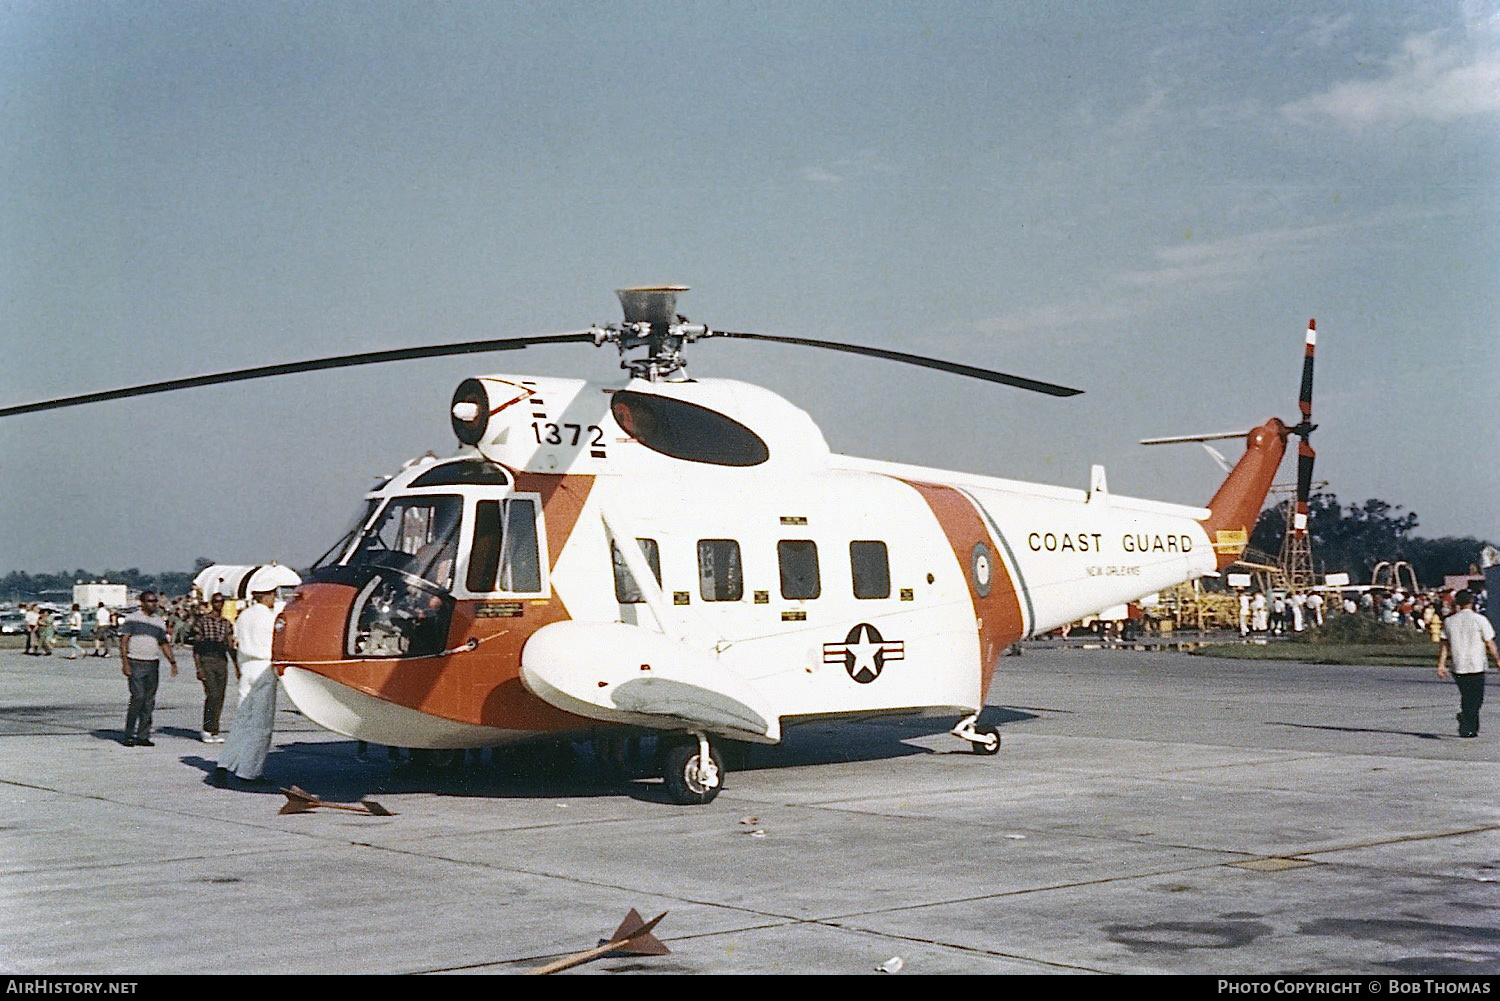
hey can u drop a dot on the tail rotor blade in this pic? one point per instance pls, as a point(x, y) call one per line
point(1305, 454)
point(1304, 399)
point(1305, 458)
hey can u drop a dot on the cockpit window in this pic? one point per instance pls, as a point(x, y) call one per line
point(415, 535)
point(464, 471)
point(336, 551)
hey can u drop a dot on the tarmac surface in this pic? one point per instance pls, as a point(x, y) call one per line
point(1149, 812)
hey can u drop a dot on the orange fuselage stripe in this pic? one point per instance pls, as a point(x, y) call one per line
point(998, 615)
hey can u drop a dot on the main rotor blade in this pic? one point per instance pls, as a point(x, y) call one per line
point(955, 368)
point(313, 365)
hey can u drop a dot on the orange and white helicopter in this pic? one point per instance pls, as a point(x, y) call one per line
point(687, 557)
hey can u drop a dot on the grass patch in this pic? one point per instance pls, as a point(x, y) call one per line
point(1363, 630)
point(1422, 654)
point(1342, 639)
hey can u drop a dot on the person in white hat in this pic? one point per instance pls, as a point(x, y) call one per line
point(250, 734)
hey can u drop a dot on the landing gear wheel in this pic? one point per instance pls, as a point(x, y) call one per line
point(988, 742)
point(982, 739)
point(689, 779)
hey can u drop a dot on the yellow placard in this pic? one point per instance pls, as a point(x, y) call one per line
point(1230, 541)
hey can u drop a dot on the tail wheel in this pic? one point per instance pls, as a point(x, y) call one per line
point(690, 779)
point(988, 742)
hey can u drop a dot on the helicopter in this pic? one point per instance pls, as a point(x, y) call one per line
point(687, 558)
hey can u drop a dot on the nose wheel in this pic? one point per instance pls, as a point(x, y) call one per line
point(692, 771)
point(982, 739)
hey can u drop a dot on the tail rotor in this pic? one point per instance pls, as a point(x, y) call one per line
point(1304, 429)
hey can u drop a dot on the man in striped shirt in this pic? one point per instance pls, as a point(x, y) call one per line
point(213, 645)
point(143, 643)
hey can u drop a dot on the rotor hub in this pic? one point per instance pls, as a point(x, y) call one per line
point(651, 323)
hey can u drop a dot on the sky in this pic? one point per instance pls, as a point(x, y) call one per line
point(1147, 201)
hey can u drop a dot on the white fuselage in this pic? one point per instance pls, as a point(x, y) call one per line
point(776, 581)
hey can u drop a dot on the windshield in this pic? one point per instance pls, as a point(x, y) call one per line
point(415, 535)
point(338, 549)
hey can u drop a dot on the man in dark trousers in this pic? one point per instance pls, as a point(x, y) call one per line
point(1467, 637)
point(143, 643)
point(213, 645)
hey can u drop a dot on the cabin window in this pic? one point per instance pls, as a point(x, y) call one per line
point(626, 591)
point(416, 536)
point(799, 568)
point(720, 577)
point(870, 566)
point(506, 555)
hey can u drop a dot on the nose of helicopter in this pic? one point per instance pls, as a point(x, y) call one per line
point(311, 628)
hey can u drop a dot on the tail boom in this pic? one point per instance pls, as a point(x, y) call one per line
point(1238, 502)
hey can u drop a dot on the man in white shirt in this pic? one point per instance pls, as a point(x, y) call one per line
point(1315, 608)
point(250, 735)
point(1467, 637)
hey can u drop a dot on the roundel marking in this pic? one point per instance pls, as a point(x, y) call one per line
point(983, 566)
point(864, 653)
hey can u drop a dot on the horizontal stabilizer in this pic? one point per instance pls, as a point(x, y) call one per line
point(1179, 439)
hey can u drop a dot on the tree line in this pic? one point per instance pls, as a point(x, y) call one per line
point(1354, 539)
point(20, 586)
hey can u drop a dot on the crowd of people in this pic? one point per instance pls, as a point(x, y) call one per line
point(44, 626)
point(222, 637)
point(1422, 611)
point(1281, 613)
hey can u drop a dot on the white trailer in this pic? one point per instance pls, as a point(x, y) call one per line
point(89, 595)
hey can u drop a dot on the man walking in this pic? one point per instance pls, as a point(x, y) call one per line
point(213, 644)
point(143, 643)
point(1467, 636)
point(103, 618)
point(33, 618)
